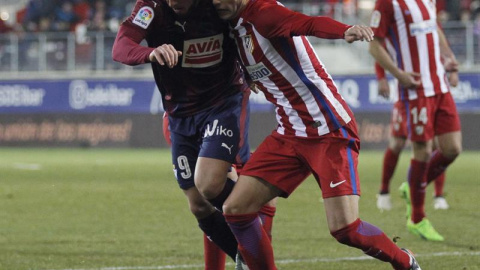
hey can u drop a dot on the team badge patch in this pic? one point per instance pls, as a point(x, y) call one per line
point(375, 20)
point(144, 17)
point(419, 130)
point(248, 43)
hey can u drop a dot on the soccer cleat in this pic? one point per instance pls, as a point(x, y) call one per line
point(405, 194)
point(439, 203)
point(413, 262)
point(240, 263)
point(384, 202)
point(424, 229)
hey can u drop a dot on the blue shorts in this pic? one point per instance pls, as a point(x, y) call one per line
point(220, 132)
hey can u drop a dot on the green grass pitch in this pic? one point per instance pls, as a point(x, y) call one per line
point(121, 209)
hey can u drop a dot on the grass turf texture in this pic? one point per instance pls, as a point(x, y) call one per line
point(99, 208)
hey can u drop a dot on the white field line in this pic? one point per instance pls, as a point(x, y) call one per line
point(288, 261)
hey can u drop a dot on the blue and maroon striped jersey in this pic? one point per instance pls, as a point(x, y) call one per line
point(208, 70)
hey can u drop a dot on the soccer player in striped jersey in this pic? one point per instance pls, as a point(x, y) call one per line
point(316, 132)
point(418, 46)
point(205, 94)
point(396, 143)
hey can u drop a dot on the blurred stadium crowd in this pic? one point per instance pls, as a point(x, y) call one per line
point(77, 35)
point(105, 15)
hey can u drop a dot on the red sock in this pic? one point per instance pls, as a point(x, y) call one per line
point(214, 256)
point(390, 160)
point(266, 215)
point(439, 183)
point(373, 242)
point(418, 183)
point(253, 241)
point(437, 165)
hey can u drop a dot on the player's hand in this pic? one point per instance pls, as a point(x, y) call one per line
point(254, 88)
point(383, 88)
point(358, 32)
point(409, 80)
point(450, 64)
point(165, 54)
point(453, 78)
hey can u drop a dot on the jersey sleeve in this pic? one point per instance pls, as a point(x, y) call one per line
point(277, 21)
point(382, 17)
point(126, 48)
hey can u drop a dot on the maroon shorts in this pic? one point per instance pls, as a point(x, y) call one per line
point(431, 116)
point(286, 162)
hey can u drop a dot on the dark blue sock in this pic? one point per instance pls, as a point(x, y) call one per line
point(217, 230)
point(222, 197)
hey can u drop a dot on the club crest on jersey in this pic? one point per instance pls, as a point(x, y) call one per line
point(144, 17)
point(419, 130)
point(375, 20)
point(258, 71)
point(202, 52)
point(248, 41)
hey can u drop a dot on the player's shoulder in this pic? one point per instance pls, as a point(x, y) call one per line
point(262, 9)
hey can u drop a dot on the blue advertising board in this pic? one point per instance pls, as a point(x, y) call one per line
point(142, 96)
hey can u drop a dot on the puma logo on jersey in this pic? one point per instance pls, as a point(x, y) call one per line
point(229, 148)
point(202, 52)
point(218, 130)
point(181, 25)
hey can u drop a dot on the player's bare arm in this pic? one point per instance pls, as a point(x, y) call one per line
point(409, 80)
point(358, 32)
point(165, 54)
point(449, 60)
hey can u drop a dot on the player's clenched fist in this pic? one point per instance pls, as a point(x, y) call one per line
point(359, 32)
point(165, 54)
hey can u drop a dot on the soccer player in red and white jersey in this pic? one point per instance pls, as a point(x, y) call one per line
point(419, 46)
point(316, 131)
point(396, 143)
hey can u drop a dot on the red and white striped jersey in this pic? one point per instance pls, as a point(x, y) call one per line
point(410, 26)
point(281, 61)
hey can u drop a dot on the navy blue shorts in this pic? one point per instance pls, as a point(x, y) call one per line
point(220, 132)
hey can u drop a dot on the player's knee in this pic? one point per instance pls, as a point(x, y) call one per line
point(453, 151)
point(233, 208)
point(398, 146)
point(201, 210)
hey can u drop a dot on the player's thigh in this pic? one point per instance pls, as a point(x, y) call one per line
point(447, 126)
point(334, 161)
point(421, 119)
point(341, 211)
point(210, 176)
point(224, 131)
point(276, 162)
point(185, 151)
point(249, 195)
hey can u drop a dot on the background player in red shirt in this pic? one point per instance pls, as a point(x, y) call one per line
point(418, 46)
point(316, 131)
point(203, 91)
point(396, 143)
